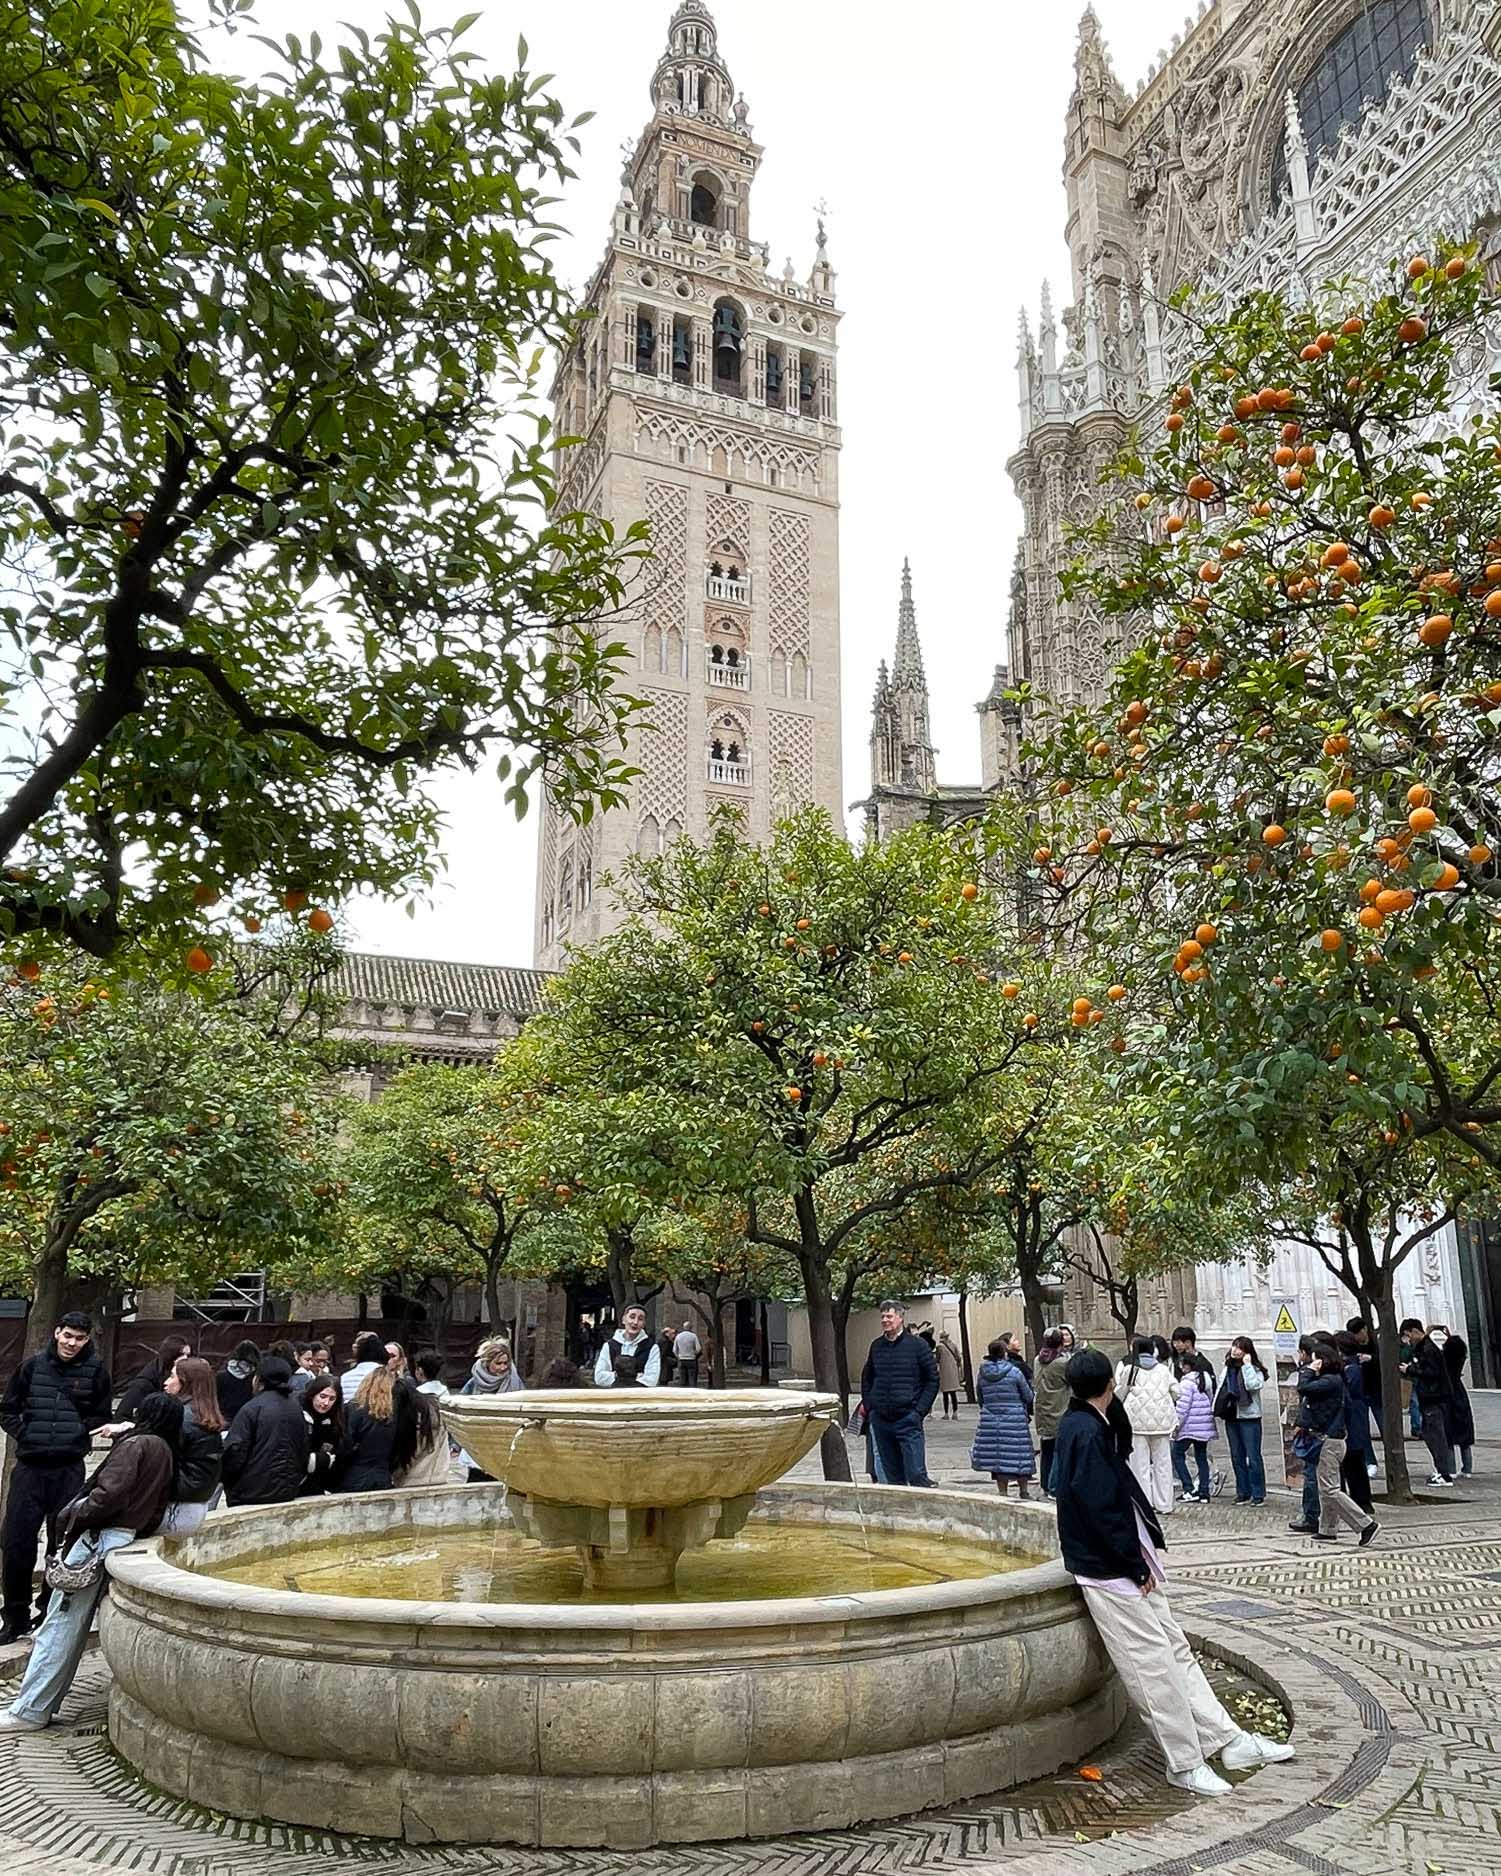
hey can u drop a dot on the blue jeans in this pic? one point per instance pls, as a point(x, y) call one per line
point(1415, 1415)
point(1180, 1464)
point(1245, 1455)
point(900, 1449)
point(873, 1456)
point(62, 1638)
point(1311, 1492)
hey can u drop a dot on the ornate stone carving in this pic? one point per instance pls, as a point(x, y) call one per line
point(790, 754)
point(788, 612)
point(667, 570)
point(662, 786)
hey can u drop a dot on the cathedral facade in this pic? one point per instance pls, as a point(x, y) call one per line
point(703, 387)
point(1273, 144)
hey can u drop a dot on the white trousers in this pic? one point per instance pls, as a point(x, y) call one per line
point(1152, 1462)
point(1162, 1680)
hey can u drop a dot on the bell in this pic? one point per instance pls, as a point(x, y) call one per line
point(680, 347)
point(805, 383)
point(773, 375)
point(646, 342)
point(726, 331)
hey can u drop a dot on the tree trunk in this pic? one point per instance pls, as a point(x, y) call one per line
point(826, 1362)
point(969, 1366)
point(618, 1269)
point(49, 1285)
point(492, 1291)
point(765, 1342)
point(1032, 1308)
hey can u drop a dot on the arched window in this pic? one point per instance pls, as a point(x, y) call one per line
point(775, 374)
point(646, 341)
point(651, 649)
point(673, 661)
point(648, 836)
point(673, 831)
point(797, 685)
point(728, 750)
point(565, 891)
point(778, 671)
point(1356, 69)
point(704, 202)
point(586, 884)
point(728, 344)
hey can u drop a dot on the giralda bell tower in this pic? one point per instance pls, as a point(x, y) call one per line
point(704, 390)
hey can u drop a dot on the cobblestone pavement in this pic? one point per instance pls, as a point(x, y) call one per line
point(1390, 1659)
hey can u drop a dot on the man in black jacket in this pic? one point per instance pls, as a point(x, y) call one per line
point(55, 1400)
point(898, 1387)
point(1111, 1541)
point(265, 1449)
point(1422, 1361)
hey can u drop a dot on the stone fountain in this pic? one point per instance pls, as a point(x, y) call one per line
point(631, 1478)
point(630, 1707)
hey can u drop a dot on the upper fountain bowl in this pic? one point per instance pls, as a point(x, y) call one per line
point(643, 1448)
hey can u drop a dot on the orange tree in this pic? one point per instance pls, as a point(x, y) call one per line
point(1280, 823)
point(273, 482)
point(833, 1012)
point(152, 1135)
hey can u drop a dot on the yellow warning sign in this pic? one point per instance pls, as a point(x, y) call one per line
point(1284, 1325)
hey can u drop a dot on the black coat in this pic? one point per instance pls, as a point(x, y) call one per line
point(147, 1381)
point(1099, 1499)
point(325, 1448)
point(200, 1464)
point(265, 1451)
point(899, 1377)
point(1430, 1374)
point(1459, 1413)
point(1321, 1403)
point(365, 1464)
point(52, 1406)
point(234, 1391)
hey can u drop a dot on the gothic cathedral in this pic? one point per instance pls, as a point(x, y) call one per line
point(703, 388)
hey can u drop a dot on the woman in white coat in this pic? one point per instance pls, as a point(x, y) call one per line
point(1146, 1389)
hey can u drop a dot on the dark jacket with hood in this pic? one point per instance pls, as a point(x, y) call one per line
point(265, 1451)
point(1321, 1402)
point(52, 1406)
point(365, 1463)
point(1430, 1374)
point(1099, 1499)
point(200, 1462)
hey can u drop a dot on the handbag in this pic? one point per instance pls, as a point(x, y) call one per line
point(1225, 1406)
point(1307, 1446)
point(69, 1578)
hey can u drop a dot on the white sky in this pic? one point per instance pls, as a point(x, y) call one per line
point(936, 134)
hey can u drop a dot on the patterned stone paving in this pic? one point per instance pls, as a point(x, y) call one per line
point(1389, 1659)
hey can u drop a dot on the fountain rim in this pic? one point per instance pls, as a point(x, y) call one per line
point(605, 1405)
point(143, 1567)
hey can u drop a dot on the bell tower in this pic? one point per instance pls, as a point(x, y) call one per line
point(703, 389)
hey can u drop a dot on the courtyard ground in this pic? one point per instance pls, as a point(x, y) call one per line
point(1390, 1658)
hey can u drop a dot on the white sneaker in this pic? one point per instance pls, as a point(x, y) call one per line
point(18, 1723)
point(1437, 1478)
point(1202, 1782)
point(1253, 1749)
point(1370, 1472)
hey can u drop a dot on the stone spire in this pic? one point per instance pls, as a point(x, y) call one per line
point(907, 667)
point(1094, 75)
point(691, 77)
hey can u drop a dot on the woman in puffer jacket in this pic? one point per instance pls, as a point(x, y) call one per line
point(1146, 1389)
point(1196, 1428)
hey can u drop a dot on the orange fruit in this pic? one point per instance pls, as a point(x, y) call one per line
point(1448, 878)
point(1418, 796)
point(1352, 328)
point(1206, 934)
point(198, 960)
point(1331, 940)
point(1417, 267)
point(1454, 267)
point(1392, 899)
point(1201, 489)
point(1369, 890)
point(1336, 745)
point(1340, 801)
point(1479, 854)
point(252, 923)
point(969, 890)
point(320, 920)
point(1370, 918)
point(1116, 993)
point(1381, 516)
point(294, 900)
point(1422, 499)
point(1493, 605)
point(1434, 632)
point(1335, 553)
point(1174, 421)
point(1190, 950)
point(29, 969)
point(1029, 1021)
point(1273, 834)
point(1309, 353)
point(1412, 330)
point(1422, 820)
point(793, 1094)
point(1011, 990)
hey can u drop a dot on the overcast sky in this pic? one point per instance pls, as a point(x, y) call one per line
point(935, 132)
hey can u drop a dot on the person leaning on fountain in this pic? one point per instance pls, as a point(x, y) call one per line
point(898, 1387)
point(630, 1339)
point(1111, 1541)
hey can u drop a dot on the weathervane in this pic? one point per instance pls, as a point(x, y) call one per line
point(821, 210)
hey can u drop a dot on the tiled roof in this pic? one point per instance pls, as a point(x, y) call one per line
point(435, 984)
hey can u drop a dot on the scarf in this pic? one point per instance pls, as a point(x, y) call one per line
point(241, 1370)
point(486, 1383)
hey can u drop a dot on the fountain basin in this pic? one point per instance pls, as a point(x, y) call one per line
point(632, 1477)
point(598, 1724)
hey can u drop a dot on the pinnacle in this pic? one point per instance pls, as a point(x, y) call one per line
point(908, 666)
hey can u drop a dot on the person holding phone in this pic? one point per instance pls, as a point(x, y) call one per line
point(1321, 1396)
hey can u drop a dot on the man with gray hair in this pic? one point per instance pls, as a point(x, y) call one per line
point(897, 1390)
